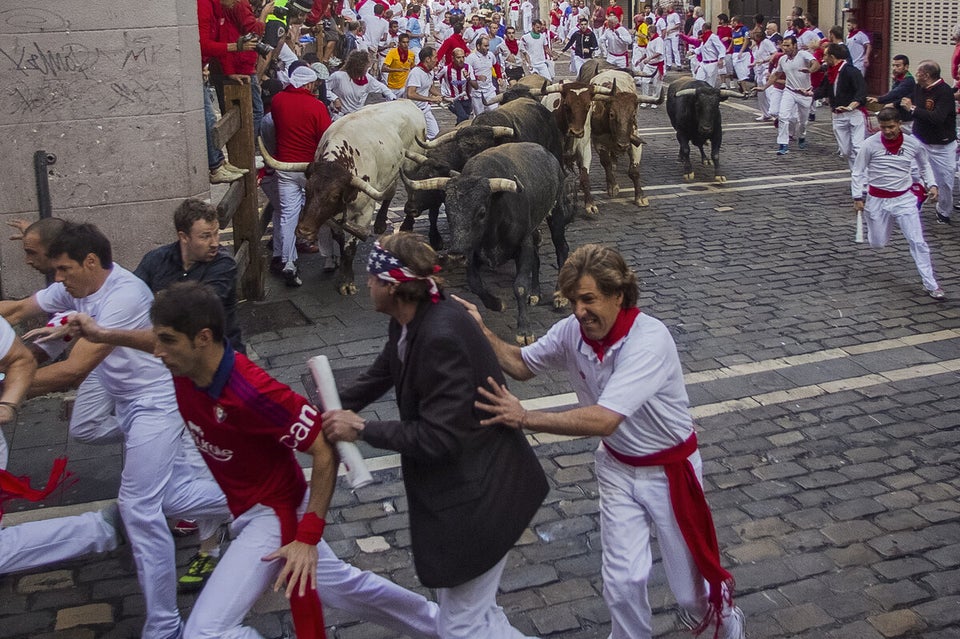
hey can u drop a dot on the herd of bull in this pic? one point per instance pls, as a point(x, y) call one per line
point(499, 176)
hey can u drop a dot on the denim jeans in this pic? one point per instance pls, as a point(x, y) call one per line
point(214, 155)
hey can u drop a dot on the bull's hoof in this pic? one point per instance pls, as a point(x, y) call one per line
point(707, 162)
point(406, 225)
point(613, 191)
point(436, 243)
point(559, 301)
point(533, 300)
point(591, 210)
point(494, 304)
point(379, 227)
point(720, 179)
point(347, 288)
point(689, 176)
point(642, 201)
point(525, 340)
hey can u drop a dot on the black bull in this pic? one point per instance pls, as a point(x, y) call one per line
point(494, 209)
point(694, 110)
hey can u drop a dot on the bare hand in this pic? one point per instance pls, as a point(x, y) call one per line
point(871, 100)
point(87, 328)
point(47, 333)
point(471, 309)
point(299, 569)
point(8, 415)
point(247, 45)
point(341, 425)
point(858, 205)
point(337, 105)
point(20, 225)
point(502, 404)
point(239, 78)
point(906, 103)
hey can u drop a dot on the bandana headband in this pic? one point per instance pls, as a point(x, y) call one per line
point(388, 267)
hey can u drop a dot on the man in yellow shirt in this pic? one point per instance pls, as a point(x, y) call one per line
point(640, 50)
point(397, 65)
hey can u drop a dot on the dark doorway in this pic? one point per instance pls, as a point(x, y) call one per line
point(874, 18)
point(746, 9)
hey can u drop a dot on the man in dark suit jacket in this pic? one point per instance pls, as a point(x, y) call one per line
point(472, 489)
point(846, 90)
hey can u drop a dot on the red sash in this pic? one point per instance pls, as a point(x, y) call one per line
point(694, 519)
point(307, 611)
point(13, 487)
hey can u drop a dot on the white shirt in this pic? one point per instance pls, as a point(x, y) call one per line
point(857, 44)
point(376, 32)
point(7, 335)
point(655, 51)
point(809, 37)
point(616, 42)
point(509, 60)
point(526, 8)
point(876, 167)
point(123, 301)
point(534, 47)
point(697, 27)
point(712, 50)
point(421, 81)
point(673, 22)
point(352, 95)
point(791, 69)
point(640, 378)
point(470, 35)
point(482, 65)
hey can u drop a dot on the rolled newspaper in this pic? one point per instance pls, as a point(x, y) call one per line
point(357, 472)
point(858, 235)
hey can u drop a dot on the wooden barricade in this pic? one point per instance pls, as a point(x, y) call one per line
point(239, 206)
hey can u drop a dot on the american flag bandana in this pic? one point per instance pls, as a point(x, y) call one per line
point(388, 267)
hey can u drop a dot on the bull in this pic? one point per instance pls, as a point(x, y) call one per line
point(354, 171)
point(594, 67)
point(570, 103)
point(613, 121)
point(494, 209)
point(694, 110)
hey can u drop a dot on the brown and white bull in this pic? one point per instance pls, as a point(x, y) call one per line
point(355, 170)
point(613, 121)
point(571, 103)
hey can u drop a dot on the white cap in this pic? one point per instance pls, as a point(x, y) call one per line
point(303, 76)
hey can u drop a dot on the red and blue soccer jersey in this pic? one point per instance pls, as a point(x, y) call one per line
point(247, 425)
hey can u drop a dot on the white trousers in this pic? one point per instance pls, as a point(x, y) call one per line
point(881, 213)
point(93, 419)
point(432, 127)
point(943, 161)
point(671, 51)
point(158, 481)
point(638, 52)
point(543, 68)
point(477, 96)
point(708, 72)
point(39, 543)
point(849, 129)
point(794, 108)
point(741, 64)
point(241, 577)
point(651, 86)
point(291, 186)
point(470, 611)
point(633, 501)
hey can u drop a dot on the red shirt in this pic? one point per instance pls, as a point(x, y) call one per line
point(209, 19)
point(445, 52)
point(300, 120)
point(239, 20)
point(617, 11)
point(725, 33)
point(247, 425)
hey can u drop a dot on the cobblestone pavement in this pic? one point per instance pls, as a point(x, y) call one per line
point(823, 379)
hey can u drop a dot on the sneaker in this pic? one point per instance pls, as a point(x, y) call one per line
point(943, 219)
point(653, 106)
point(291, 275)
point(763, 118)
point(782, 149)
point(184, 527)
point(235, 169)
point(198, 571)
point(802, 143)
point(938, 294)
point(221, 175)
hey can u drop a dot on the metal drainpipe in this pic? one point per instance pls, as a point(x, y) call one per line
point(41, 160)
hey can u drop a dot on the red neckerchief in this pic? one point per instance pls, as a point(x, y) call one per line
point(705, 35)
point(513, 46)
point(892, 146)
point(694, 519)
point(361, 81)
point(899, 77)
point(834, 72)
point(621, 326)
point(853, 33)
point(420, 64)
point(403, 55)
point(12, 487)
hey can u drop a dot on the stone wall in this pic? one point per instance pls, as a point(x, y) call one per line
point(113, 90)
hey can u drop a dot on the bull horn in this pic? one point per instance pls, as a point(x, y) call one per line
point(277, 165)
point(648, 99)
point(599, 89)
point(432, 144)
point(503, 131)
point(727, 93)
point(556, 87)
point(453, 173)
point(419, 158)
point(635, 139)
point(683, 92)
point(429, 184)
point(503, 184)
point(496, 99)
point(364, 186)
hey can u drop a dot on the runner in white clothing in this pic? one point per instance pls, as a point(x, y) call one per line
point(883, 189)
point(535, 50)
point(710, 55)
point(352, 84)
point(624, 367)
point(39, 543)
point(795, 66)
point(420, 88)
point(158, 479)
point(615, 41)
point(481, 64)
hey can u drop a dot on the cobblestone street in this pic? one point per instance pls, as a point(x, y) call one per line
point(823, 379)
